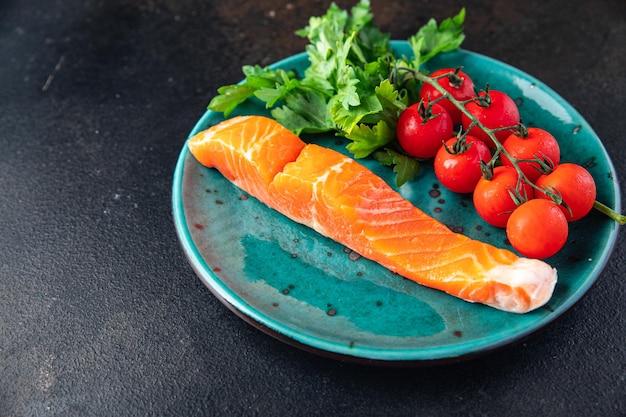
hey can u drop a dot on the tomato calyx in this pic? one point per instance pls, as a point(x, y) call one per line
point(556, 197)
point(545, 165)
point(517, 196)
point(453, 77)
point(515, 193)
point(425, 110)
point(460, 145)
point(484, 99)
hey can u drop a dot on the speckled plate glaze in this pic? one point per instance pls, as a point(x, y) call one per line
point(313, 293)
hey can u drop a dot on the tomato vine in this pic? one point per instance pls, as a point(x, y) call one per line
point(545, 164)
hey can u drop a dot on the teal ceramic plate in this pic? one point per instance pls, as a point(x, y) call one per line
point(311, 292)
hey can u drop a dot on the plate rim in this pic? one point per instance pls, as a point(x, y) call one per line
point(362, 354)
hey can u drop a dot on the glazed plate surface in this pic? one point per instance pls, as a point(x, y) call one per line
point(311, 292)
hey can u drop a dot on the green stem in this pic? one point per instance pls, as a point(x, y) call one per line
point(619, 218)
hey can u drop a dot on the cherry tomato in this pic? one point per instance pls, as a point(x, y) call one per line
point(458, 84)
point(492, 198)
point(497, 110)
point(422, 129)
point(576, 187)
point(531, 144)
point(537, 229)
point(460, 172)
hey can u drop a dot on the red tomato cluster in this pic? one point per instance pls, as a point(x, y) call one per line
point(535, 207)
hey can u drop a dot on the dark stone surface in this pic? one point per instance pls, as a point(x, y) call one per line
point(100, 314)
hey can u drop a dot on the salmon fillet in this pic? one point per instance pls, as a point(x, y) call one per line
point(343, 200)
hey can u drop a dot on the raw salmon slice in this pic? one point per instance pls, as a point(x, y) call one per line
point(343, 200)
point(249, 151)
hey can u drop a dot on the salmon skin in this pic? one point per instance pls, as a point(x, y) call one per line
point(343, 200)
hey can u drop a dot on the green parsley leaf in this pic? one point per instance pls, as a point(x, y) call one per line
point(279, 92)
point(230, 96)
point(258, 77)
point(354, 85)
point(360, 17)
point(431, 39)
point(347, 119)
point(404, 166)
point(392, 102)
point(366, 139)
point(304, 113)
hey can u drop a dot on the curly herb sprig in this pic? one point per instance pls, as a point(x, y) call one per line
point(350, 87)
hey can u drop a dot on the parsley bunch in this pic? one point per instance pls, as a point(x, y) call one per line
point(354, 87)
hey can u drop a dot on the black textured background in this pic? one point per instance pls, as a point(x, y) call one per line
point(100, 314)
